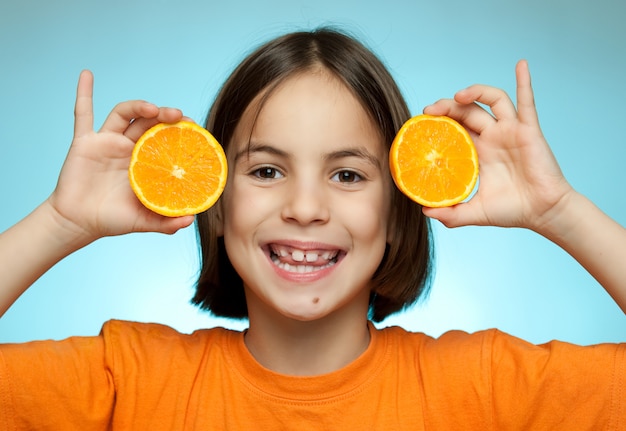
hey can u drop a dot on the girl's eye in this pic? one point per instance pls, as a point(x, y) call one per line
point(267, 173)
point(347, 177)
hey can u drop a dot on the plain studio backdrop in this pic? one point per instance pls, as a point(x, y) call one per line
point(177, 53)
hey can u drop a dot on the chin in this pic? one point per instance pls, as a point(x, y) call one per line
point(306, 312)
point(316, 308)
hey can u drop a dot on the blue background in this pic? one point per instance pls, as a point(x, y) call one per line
point(177, 53)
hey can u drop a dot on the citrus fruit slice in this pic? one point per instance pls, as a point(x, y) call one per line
point(433, 161)
point(177, 169)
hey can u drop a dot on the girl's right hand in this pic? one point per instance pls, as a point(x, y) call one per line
point(93, 197)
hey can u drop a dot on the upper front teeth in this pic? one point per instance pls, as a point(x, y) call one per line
point(300, 256)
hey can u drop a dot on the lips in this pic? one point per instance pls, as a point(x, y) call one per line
point(297, 259)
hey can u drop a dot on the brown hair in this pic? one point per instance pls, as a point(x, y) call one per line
point(405, 271)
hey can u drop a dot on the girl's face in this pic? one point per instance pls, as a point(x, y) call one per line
point(306, 206)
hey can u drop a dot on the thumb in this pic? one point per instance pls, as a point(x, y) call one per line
point(173, 225)
point(154, 222)
point(461, 214)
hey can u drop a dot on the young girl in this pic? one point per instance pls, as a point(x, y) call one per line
point(311, 241)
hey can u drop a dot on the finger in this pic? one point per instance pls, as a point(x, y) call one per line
point(525, 98)
point(83, 107)
point(140, 125)
point(124, 113)
point(168, 225)
point(498, 101)
point(473, 116)
point(463, 214)
point(173, 225)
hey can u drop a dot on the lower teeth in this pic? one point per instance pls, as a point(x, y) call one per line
point(300, 268)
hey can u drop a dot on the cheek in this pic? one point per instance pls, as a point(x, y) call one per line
point(245, 207)
point(366, 218)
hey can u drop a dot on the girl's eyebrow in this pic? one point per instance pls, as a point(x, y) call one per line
point(348, 152)
point(253, 147)
point(356, 152)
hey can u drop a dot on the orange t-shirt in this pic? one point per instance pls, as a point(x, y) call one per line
point(150, 377)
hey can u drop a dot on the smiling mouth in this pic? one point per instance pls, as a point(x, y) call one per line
point(300, 261)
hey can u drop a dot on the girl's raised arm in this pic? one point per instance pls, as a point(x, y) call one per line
point(92, 198)
point(521, 184)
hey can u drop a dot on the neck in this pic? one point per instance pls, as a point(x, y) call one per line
point(307, 348)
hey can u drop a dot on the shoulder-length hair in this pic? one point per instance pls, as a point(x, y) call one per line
point(404, 274)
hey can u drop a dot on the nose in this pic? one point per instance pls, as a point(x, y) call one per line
point(306, 203)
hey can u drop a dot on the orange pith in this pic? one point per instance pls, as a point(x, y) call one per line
point(433, 161)
point(177, 169)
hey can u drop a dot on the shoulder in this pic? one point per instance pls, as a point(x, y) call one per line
point(495, 345)
point(456, 357)
point(452, 369)
point(147, 340)
point(158, 331)
point(454, 342)
point(155, 330)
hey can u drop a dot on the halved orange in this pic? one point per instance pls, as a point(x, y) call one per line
point(178, 169)
point(434, 161)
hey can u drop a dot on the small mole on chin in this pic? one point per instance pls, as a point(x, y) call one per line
point(316, 300)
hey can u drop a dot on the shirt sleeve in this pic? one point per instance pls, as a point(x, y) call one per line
point(56, 385)
point(557, 385)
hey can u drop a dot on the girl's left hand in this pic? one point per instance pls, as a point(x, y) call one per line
point(521, 184)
